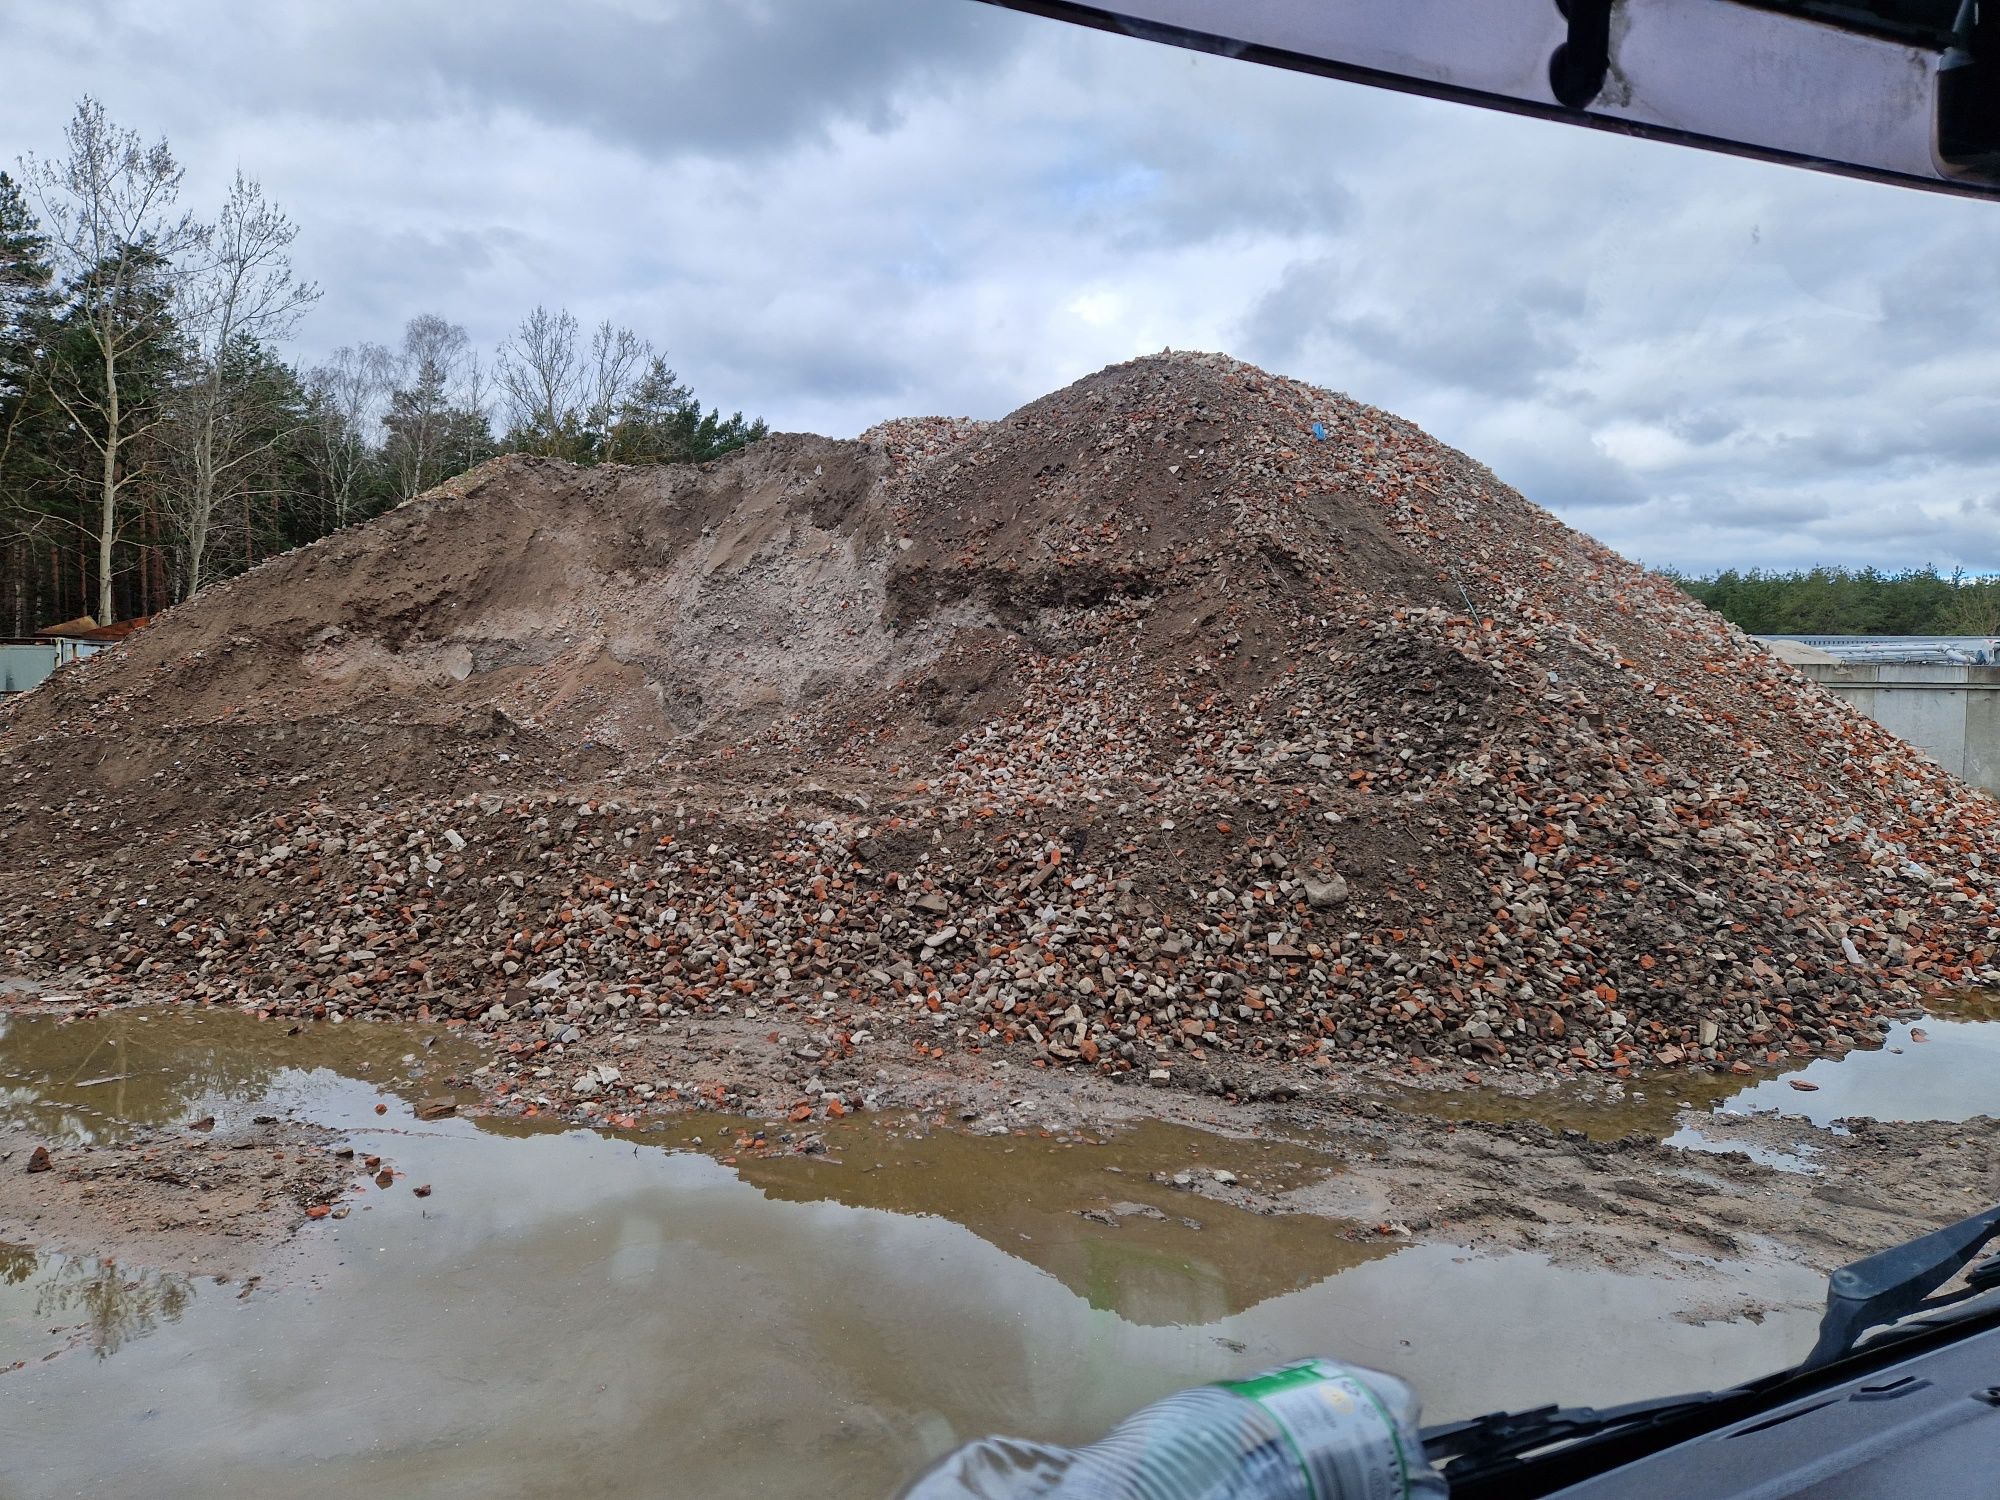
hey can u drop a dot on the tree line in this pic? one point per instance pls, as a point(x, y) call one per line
point(1850, 601)
point(154, 435)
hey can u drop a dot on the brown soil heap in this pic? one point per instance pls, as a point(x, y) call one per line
point(1142, 731)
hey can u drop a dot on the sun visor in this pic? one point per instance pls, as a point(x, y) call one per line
point(1901, 91)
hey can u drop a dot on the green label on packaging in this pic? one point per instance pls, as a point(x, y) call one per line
point(1259, 1386)
point(1343, 1439)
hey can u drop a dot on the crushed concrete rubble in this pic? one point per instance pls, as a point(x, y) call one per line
point(1147, 732)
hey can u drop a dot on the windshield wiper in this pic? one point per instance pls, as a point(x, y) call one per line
point(1868, 1294)
point(1890, 1286)
point(1478, 1446)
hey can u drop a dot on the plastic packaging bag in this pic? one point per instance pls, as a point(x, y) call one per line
point(1314, 1430)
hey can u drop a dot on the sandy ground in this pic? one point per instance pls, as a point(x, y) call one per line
point(180, 1200)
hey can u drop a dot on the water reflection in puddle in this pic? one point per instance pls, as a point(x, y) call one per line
point(1603, 1111)
point(1691, 1138)
point(593, 1315)
point(1104, 1218)
point(1952, 1074)
point(50, 1303)
point(1945, 1066)
point(567, 1313)
point(78, 1082)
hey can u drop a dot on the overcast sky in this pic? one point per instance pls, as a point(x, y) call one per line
point(833, 211)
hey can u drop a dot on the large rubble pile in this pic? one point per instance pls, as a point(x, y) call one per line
point(1190, 722)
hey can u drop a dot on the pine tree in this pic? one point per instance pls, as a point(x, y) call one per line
point(662, 422)
point(25, 308)
point(25, 278)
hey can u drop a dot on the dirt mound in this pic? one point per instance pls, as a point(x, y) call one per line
point(652, 596)
point(1188, 721)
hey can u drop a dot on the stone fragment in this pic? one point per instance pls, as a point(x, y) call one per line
point(1325, 893)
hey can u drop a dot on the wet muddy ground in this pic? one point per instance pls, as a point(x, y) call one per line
point(731, 1306)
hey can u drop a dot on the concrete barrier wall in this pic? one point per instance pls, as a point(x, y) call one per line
point(24, 665)
point(1950, 713)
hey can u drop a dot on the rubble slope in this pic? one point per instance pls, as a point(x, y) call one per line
point(1191, 723)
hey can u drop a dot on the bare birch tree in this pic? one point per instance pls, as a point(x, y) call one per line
point(345, 397)
point(469, 433)
point(561, 400)
point(241, 293)
point(116, 239)
point(617, 355)
point(539, 373)
point(436, 415)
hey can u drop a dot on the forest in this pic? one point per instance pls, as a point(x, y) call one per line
point(1850, 601)
point(157, 433)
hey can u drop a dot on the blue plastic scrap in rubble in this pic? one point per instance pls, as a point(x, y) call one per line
point(1319, 431)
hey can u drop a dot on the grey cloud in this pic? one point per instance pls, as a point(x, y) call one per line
point(1910, 535)
point(1922, 437)
point(662, 77)
point(776, 363)
point(430, 256)
point(1736, 513)
point(749, 74)
point(1501, 348)
point(375, 282)
point(1279, 323)
point(1554, 463)
point(1570, 484)
point(1201, 191)
point(1897, 538)
point(1943, 288)
point(1704, 427)
point(1495, 334)
point(1740, 513)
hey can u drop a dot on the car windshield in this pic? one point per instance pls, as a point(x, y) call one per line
point(1300, 711)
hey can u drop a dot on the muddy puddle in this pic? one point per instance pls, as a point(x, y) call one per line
point(1174, 1258)
point(62, 1303)
point(599, 1314)
point(85, 1081)
point(1935, 1069)
point(1603, 1111)
point(1944, 1065)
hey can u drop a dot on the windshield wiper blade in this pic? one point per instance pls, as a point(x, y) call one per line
point(1868, 1294)
point(1891, 1285)
point(1478, 1445)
